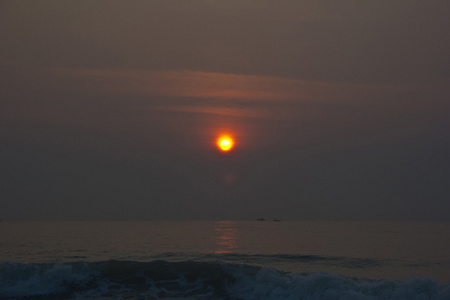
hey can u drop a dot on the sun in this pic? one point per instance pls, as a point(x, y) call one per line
point(225, 143)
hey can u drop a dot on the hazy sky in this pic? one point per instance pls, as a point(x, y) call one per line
point(339, 109)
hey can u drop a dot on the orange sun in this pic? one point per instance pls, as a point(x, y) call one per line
point(225, 143)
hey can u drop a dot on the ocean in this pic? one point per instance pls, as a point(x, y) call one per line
point(224, 260)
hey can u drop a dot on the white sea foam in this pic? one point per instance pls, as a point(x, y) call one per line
point(21, 280)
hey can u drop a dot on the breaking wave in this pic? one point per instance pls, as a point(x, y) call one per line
point(196, 280)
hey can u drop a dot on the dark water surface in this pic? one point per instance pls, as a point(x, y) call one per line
point(224, 260)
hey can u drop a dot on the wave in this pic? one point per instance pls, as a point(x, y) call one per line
point(196, 280)
point(348, 262)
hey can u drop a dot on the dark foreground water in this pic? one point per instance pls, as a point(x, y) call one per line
point(224, 260)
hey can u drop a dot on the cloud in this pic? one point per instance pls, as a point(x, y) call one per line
point(81, 95)
point(232, 88)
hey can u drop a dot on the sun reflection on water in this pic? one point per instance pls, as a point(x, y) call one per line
point(226, 237)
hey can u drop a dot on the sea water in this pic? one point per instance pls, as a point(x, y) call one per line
point(224, 260)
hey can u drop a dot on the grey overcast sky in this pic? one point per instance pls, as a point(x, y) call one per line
point(111, 109)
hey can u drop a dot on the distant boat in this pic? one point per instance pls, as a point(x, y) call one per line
point(277, 220)
point(260, 219)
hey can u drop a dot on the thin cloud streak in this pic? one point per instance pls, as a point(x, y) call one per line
point(228, 86)
point(231, 94)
